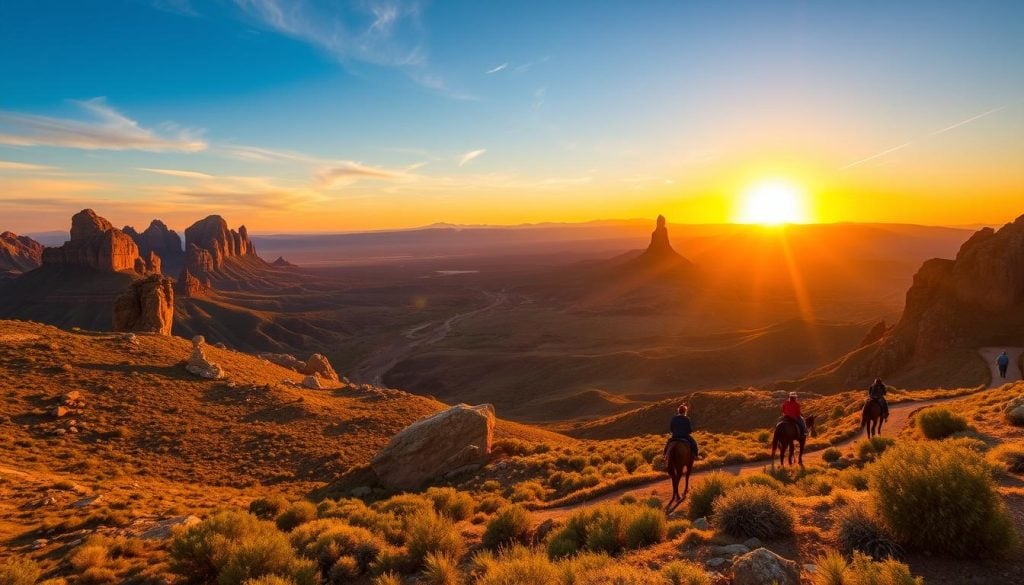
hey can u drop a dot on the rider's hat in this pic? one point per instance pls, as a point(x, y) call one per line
point(792, 394)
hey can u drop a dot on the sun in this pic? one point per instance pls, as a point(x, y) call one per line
point(772, 202)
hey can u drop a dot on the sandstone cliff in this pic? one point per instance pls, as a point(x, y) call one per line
point(96, 244)
point(160, 240)
point(19, 253)
point(147, 306)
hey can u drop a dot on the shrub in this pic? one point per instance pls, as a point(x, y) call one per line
point(269, 507)
point(88, 556)
point(941, 498)
point(939, 423)
point(19, 571)
point(518, 566)
point(832, 569)
point(1009, 457)
point(269, 580)
point(269, 554)
point(440, 569)
point(97, 576)
point(677, 527)
point(510, 525)
point(452, 503)
point(527, 491)
point(753, 511)
point(296, 514)
point(685, 573)
point(854, 478)
point(429, 532)
point(344, 570)
point(608, 528)
point(329, 540)
point(646, 528)
point(704, 494)
point(491, 504)
point(632, 462)
point(831, 455)
point(858, 530)
point(388, 579)
point(869, 449)
point(404, 505)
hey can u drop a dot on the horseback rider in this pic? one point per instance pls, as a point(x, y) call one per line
point(791, 412)
point(682, 429)
point(877, 392)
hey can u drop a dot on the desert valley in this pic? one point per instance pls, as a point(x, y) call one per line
point(400, 292)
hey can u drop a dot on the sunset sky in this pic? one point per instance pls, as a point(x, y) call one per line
point(329, 116)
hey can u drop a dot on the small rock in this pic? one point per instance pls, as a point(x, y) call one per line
point(715, 562)
point(312, 381)
point(763, 566)
point(60, 411)
point(73, 396)
point(39, 543)
point(87, 501)
point(812, 569)
point(72, 429)
point(67, 367)
point(59, 432)
point(701, 524)
point(220, 345)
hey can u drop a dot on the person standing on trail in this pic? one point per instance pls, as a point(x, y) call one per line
point(682, 430)
point(1003, 361)
point(877, 392)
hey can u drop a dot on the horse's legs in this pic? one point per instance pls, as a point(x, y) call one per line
point(686, 489)
point(801, 458)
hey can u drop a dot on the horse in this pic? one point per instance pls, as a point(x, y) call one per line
point(871, 417)
point(679, 463)
point(786, 435)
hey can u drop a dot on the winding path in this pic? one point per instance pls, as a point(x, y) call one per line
point(899, 417)
point(1013, 374)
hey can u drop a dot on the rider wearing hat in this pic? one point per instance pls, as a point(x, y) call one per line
point(791, 412)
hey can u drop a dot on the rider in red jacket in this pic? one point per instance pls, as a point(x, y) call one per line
point(791, 411)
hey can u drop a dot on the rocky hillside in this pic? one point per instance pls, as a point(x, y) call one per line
point(162, 241)
point(19, 253)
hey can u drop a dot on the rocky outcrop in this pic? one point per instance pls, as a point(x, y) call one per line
point(282, 263)
point(190, 286)
point(317, 365)
point(146, 307)
point(199, 365)
point(212, 234)
point(160, 240)
point(435, 446)
point(876, 332)
point(19, 253)
point(659, 253)
point(660, 246)
point(762, 566)
point(973, 300)
point(96, 244)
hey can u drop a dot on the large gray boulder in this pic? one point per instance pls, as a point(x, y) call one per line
point(762, 566)
point(436, 445)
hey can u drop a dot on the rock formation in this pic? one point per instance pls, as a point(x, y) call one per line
point(437, 445)
point(147, 306)
point(317, 365)
point(209, 245)
point(659, 254)
point(974, 300)
point(660, 246)
point(19, 253)
point(158, 239)
point(762, 566)
point(97, 244)
point(199, 364)
point(282, 263)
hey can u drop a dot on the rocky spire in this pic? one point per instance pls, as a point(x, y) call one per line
point(146, 307)
point(660, 246)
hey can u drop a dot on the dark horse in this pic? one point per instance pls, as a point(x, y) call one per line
point(787, 435)
point(871, 417)
point(679, 461)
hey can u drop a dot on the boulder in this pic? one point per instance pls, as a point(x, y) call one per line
point(762, 566)
point(318, 365)
point(312, 382)
point(147, 306)
point(433, 446)
point(163, 529)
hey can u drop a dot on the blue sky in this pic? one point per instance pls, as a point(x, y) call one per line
point(369, 114)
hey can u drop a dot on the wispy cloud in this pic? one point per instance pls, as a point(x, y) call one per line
point(6, 165)
point(107, 129)
point(931, 134)
point(471, 155)
point(177, 173)
point(347, 172)
point(501, 67)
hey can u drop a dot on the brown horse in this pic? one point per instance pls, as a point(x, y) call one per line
point(679, 463)
point(787, 435)
point(871, 417)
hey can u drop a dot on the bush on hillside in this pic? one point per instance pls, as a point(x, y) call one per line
point(269, 507)
point(430, 532)
point(685, 573)
point(857, 529)
point(941, 498)
point(269, 580)
point(510, 525)
point(609, 528)
point(870, 449)
point(1009, 457)
point(702, 496)
point(451, 502)
point(329, 540)
point(296, 514)
point(831, 455)
point(19, 571)
point(753, 511)
point(939, 423)
point(833, 569)
point(440, 569)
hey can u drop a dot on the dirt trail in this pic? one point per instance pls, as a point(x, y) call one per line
point(381, 362)
point(1013, 374)
point(899, 418)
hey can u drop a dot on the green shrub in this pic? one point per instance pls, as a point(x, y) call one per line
point(939, 423)
point(632, 462)
point(510, 525)
point(269, 580)
point(440, 569)
point(942, 499)
point(1009, 457)
point(452, 503)
point(832, 569)
point(675, 528)
point(647, 527)
point(685, 573)
point(19, 571)
point(405, 505)
point(329, 540)
point(517, 566)
point(753, 511)
point(857, 529)
point(831, 455)
point(296, 514)
point(269, 507)
point(527, 491)
point(703, 495)
point(869, 449)
point(854, 478)
point(1012, 411)
point(430, 532)
point(608, 528)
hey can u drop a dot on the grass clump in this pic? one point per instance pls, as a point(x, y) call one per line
point(510, 525)
point(440, 569)
point(857, 529)
point(939, 423)
point(295, 515)
point(703, 495)
point(685, 573)
point(833, 569)
point(831, 455)
point(451, 502)
point(609, 528)
point(870, 449)
point(753, 511)
point(1008, 456)
point(269, 507)
point(19, 571)
point(430, 532)
point(941, 498)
